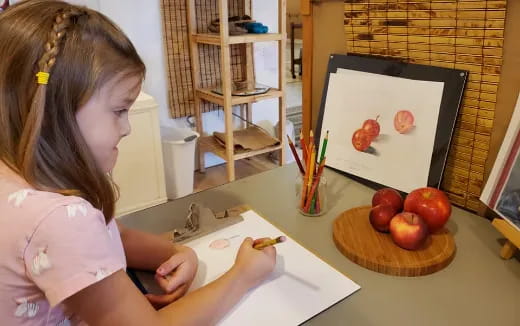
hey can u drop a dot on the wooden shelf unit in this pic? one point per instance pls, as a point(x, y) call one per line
point(212, 38)
point(210, 96)
point(226, 100)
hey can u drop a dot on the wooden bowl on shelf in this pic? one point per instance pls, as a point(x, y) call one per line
point(355, 237)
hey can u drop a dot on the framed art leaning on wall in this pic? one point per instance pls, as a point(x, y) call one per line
point(390, 122)
point(502, 190)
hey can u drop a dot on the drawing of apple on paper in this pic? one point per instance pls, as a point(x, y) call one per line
point(403, 121)
point(363, 138)
point(372, 127)
point(369, 132)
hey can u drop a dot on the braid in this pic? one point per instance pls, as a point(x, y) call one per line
point(26, 159)
point(61, 23)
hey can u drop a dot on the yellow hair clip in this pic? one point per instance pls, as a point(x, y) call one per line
point(43, 77)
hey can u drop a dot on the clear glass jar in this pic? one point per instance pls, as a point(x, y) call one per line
point(311, 199)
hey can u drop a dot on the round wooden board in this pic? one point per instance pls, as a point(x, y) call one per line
point(355, 238)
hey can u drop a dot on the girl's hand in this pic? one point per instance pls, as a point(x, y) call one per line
point(254, 265)
point(175, 276)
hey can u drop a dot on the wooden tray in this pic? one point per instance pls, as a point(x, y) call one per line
point(355, 238)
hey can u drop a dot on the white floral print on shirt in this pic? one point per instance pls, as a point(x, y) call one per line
point(72, 209)
point(27, 309)
point(17, 198)
point(41, 261)
point(101, 273)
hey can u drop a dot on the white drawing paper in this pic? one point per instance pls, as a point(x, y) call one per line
point(394, 159)
point(301, 286)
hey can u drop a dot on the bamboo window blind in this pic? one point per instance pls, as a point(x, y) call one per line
point(176, 41)
point(464, 34)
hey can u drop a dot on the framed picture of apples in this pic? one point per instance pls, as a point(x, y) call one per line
point(390, 122)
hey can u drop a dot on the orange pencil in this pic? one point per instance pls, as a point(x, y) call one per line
point(312, 163)
point(310, 145)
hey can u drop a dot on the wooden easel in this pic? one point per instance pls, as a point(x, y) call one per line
point(512, 238)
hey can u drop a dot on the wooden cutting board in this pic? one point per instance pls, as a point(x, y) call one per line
point(355, 238)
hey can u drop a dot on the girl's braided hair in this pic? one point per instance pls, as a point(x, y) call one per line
point(55, 56)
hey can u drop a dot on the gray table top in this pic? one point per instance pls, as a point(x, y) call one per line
point(477, 288)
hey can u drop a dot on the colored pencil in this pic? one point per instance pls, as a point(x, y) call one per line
point(324, 146)
point(303, 145)
point(314, 197)
point(295, 154)
point(304, 184)
point(317, 195)
point(270, 242)
point(304, 192)
point(321, 166)
point(313, 188)
point(315, 159)
point(313, 204)
point(312, 163)
point(318, 204)
point(316, 200)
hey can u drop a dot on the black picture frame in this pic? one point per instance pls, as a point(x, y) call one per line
point(454, 85)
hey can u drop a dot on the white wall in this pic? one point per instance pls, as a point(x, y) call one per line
point(94, 4)
point(142, 22)
point(265, 113)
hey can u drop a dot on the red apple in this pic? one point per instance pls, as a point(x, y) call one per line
point(408, 230)
point(380, 217)
point(390, 197)
point(372, 127)
point(403, 121)
point(431, 204)
point(361, 140)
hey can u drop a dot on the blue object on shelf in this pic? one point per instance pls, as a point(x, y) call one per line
point(256, 28)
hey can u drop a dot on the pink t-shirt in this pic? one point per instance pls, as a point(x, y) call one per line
point(51, 246)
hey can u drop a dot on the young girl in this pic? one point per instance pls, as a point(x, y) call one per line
point(67, 79)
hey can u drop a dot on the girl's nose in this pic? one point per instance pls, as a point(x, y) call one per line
point(126, 129)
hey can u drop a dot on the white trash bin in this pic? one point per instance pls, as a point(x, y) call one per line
point(178, 145)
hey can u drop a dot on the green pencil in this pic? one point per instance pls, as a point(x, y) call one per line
point(324, 146)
